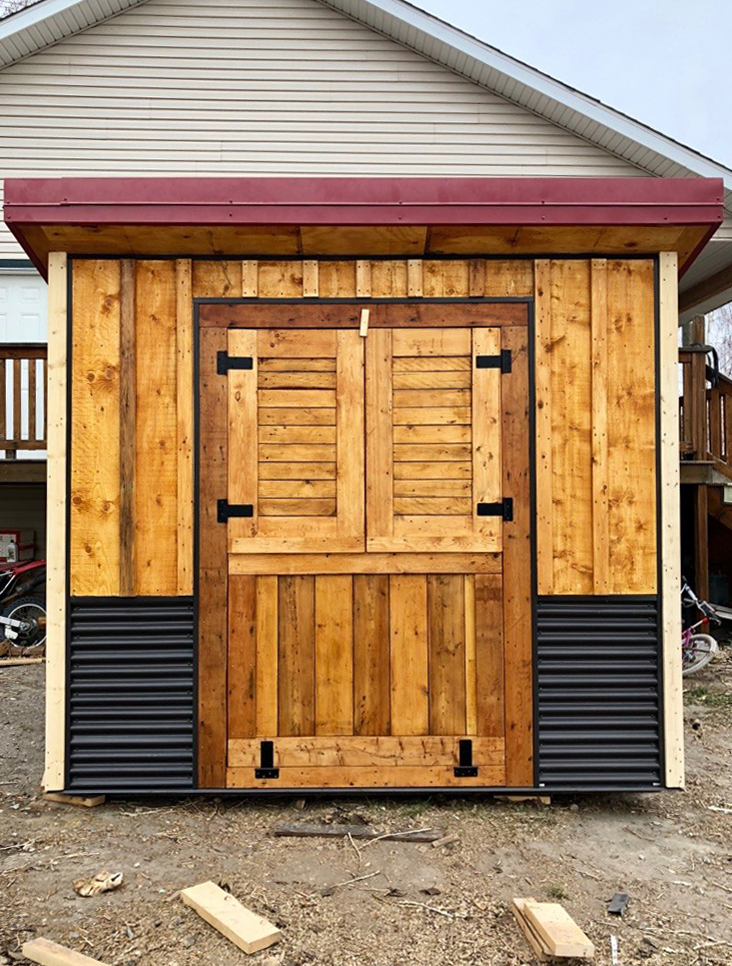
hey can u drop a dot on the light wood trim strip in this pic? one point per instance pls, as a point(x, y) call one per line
point(310, 284)
point(127, 419)
point(600, 504)
point(358, 751)
point(184, 411)
point(363, 279)
point(364, 563)
point(543, 427)
point(670, 549)
point(56, 405)
point(249, 279)
point(414, 278)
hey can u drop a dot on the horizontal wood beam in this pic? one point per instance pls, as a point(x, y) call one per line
point(708, 289)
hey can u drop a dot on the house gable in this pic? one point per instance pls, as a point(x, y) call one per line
point(281, 87)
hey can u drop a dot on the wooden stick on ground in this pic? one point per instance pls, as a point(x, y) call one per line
point(48, 953)
point(305, 830)
point(247, 930)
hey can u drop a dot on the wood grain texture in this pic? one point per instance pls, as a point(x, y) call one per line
point(543, 348)
point(369, 776)
point(371, 660)
point(184, 416)
point(213, 570)
point(600, 419)
point(95, 426)
point(242, 657)
point(56, 526)
point(365, 563)
point(296, 631)
point(446, 635)
point(334, 655)
point(489, 655)
point(267, 656)
point(631, 453)
point(409, 655)
point(156, 430)
point(127, 422)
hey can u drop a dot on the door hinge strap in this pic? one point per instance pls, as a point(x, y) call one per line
point(224, 362)
point(226, 510)
point(503, 509)
point(501, 361)
point(266, 761)
point(466, 768)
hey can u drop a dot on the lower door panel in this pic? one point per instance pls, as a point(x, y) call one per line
point(387, 680)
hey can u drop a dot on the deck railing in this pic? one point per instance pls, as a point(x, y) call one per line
point(705, 411)
point(23, 372)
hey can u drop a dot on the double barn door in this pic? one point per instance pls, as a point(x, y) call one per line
point(365, 515)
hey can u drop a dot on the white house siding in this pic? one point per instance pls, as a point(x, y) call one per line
point(263, 87)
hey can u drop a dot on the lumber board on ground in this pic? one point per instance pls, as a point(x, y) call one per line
point(557, 930)
point(533, 939)
point(83, 801)
point(246, 929)
point(49, 953)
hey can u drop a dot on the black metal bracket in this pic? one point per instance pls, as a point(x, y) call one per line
point(266, 761)
point(503, 509)
point(226, 510)
point(224, 362)
point(466, 768)
point(502, 361)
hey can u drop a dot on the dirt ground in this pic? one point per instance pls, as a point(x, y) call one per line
point(408, 903)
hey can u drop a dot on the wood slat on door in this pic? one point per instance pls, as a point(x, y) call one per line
point(434, 440)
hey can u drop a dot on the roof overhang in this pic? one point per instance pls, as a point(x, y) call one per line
point(407, 217)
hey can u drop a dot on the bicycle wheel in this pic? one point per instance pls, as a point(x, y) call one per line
point(32, 611)
point(697, 653)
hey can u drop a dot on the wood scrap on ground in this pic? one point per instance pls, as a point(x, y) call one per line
point(83, 801)
point(246, 929)
point(308, 830)
point(18, 661)
point(48, 953)
point(551, 931)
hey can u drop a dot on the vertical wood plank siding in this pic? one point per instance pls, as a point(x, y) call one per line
point(595, 427)
point(264, 88)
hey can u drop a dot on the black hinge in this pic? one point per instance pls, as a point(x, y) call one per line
point(466, 768)
point(502, 361)
point(224, 362)
point(503, 509)
point(266, 761)
point(226, 510)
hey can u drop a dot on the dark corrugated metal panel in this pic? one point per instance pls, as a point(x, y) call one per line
point(598, 680)
point(131, 694)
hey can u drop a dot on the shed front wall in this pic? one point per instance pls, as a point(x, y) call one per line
point(132, 452)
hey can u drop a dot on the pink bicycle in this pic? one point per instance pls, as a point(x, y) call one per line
point(697, 649)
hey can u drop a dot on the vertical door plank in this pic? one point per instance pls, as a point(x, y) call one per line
point(156, 439)
point(487, 461)
point(446, 635)
point(600, 507)
point(127, 419)
point(379, 434)
point(95, 482)
point(632, 430)
point(184, 413)
point(296, 631)
point(242, 657)
point(517, 623)
point(471, 680)
point(371, 670)
point(489, 658)
point(334, 655)
point(543, 427)
point(243, 439)
point(409, 655)
point(350, 435)
point(267, 658)
point(213, 565)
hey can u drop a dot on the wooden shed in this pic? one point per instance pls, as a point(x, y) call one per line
point(363, 483)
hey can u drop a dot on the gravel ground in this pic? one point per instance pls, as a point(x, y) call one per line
point(411, 903)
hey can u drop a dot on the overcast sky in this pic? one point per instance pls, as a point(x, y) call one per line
point(663, 62)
